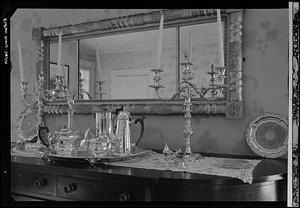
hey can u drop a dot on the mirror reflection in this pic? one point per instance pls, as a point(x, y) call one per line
point(118, 66)
point(121, 64)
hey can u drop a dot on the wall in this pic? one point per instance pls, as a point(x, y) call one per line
point(265, 51)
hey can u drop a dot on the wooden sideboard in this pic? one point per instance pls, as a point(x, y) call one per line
point(40, 179)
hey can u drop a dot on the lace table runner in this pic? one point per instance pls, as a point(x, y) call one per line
point(236, 168)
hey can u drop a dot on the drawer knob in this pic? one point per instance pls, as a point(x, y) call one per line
point(70, 188)
point(124, 197)
point(40, 182)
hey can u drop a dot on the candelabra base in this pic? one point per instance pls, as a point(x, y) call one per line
point(192, 157)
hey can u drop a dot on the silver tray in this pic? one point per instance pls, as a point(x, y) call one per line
point(28, 123)
point(94, 160)
point(267, 135)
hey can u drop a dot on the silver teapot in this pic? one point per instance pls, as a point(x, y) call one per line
point(67, 139)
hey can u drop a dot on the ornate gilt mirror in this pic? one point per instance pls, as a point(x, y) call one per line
point(108, 63)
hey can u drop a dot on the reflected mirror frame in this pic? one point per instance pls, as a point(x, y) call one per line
point(232, 107)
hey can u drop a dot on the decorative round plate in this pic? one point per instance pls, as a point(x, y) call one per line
point(27, 124)
point(267, 135)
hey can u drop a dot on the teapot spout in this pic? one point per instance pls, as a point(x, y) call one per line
point(88, 135)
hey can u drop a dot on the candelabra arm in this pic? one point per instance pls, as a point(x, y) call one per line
point(179, 91)
point(84, 91)
point(198, 92)
point(206, 90)
point(156, 85)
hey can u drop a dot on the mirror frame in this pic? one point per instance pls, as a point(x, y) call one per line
point(232, 107)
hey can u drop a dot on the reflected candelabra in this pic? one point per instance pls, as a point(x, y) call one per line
point(65, 90)
point(59, 92)
point(81, 90)
point(100, 89)
point(156, 78)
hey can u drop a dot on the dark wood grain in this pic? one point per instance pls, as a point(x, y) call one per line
point(113, 183)
point(33, 181)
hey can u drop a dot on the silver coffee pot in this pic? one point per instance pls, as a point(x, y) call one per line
point(119, 140)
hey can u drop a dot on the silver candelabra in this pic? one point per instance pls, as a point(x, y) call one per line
point(41, 95)
point(187, 90)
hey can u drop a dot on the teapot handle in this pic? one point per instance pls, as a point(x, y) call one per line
point(42, 137)
point(141, 120)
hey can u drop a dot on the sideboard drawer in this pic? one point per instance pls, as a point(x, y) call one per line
point(94, 190)
point(26, 182)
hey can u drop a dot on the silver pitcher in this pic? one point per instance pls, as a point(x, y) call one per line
point(123, 131)
point(118, 141)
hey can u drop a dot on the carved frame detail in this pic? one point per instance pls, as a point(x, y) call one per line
point(232, 107)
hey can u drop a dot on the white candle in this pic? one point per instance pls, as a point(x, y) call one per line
point(59, 56)
point(190, 47)
point(22, 75)
point(221, 38)
point(98, 63)
point(160, 38)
